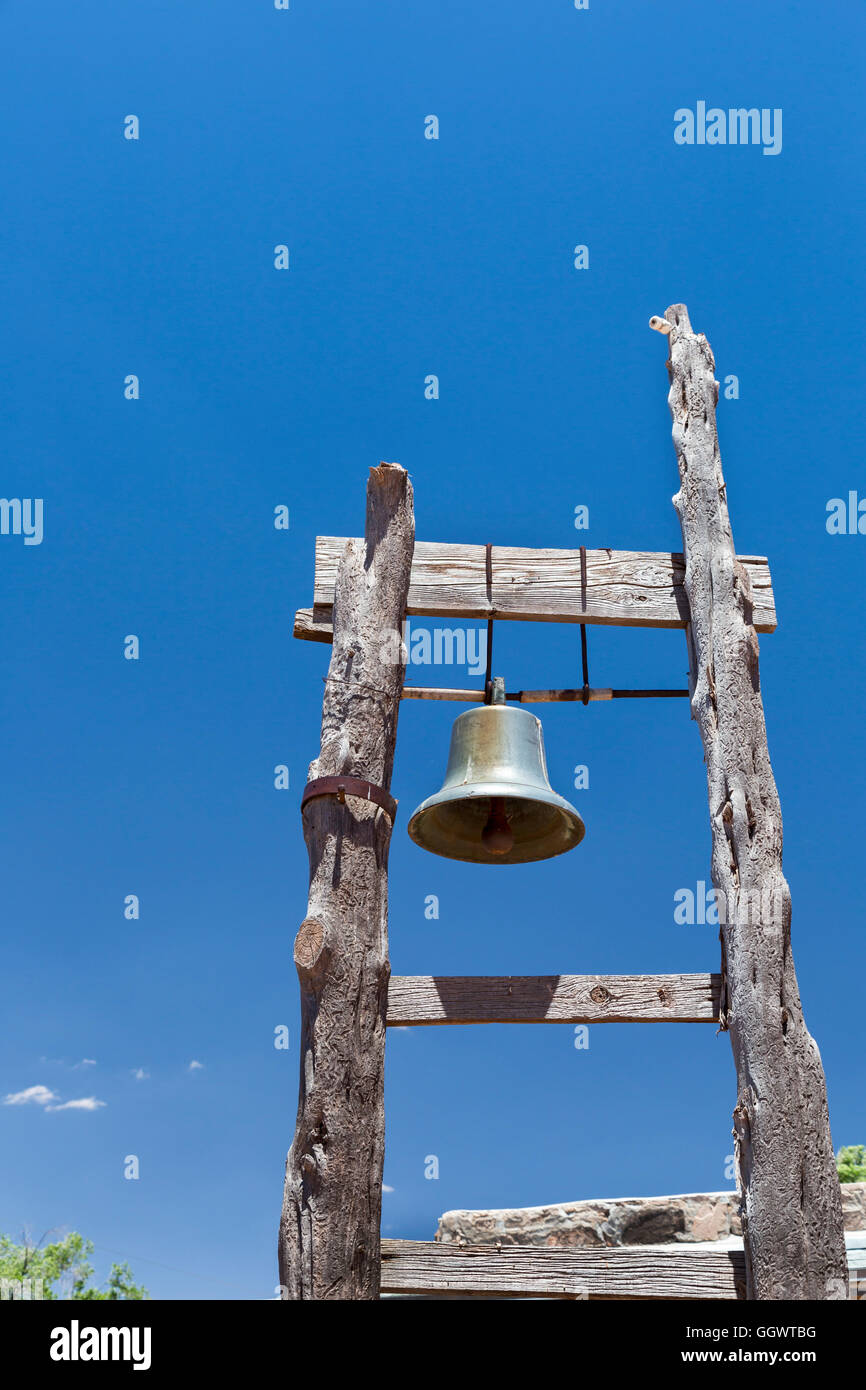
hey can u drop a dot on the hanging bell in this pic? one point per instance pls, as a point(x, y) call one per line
point(496, 805)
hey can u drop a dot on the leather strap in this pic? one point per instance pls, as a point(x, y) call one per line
point(341, 787)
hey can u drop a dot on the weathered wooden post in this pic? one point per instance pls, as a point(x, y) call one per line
point(792, 1214)
point(329, 1230)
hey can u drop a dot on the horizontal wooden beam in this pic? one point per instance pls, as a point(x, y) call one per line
point(437, 692)
point(527, 1271)
point(631, 588)
point(311, 626)
point(520, 697)
point(417, 1001)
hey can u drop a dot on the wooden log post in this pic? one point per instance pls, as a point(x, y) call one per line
point(329, 1231)
point(791, 1204)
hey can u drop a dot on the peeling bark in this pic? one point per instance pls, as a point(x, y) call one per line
point(329, 1230)
point(791, 1203)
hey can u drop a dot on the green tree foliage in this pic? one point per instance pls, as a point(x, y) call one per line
point(60, 1271)
point(851, 1163)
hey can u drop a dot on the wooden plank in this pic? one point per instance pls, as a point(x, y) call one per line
point(311, 626)
point(416, 1001)
point(539, 697)
point(526, 1271)
point(629, 588)
point(518, 697)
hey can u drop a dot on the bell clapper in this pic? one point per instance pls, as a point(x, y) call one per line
point(496, 836)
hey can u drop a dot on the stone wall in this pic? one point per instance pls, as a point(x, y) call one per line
point(854, 1205)
point(620, 1221)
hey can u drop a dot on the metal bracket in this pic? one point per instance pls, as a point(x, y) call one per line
point(341, 787)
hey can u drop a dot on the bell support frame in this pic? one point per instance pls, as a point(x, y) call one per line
point(329, 1237)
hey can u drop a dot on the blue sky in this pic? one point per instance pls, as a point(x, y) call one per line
point(261, 387)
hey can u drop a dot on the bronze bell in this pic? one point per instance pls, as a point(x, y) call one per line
point(496, 805)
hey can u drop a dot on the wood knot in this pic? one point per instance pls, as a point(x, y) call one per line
point(664, 995)
point(309, 943)
point(599, 995)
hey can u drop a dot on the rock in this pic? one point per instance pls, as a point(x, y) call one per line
point(698, 1216)
point(854, 1205)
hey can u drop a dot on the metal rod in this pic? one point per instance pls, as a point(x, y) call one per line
point(584, 659)
point(583, 695)
point(488, 679)
point(537, 697)
point(646, 694)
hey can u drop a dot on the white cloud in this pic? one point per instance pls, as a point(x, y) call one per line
point(41, 1095)
point(85, 1103)
point(196, 1066)
point(34, 1095)
point(85, 1062)
point(386, 1188)
point(140, 1074)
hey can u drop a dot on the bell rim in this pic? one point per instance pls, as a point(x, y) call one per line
point(481, 789)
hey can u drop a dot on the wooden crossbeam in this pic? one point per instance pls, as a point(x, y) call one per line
point(527, 1271)
point(424, 1000)
point(631, 588)
point(312, 626)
